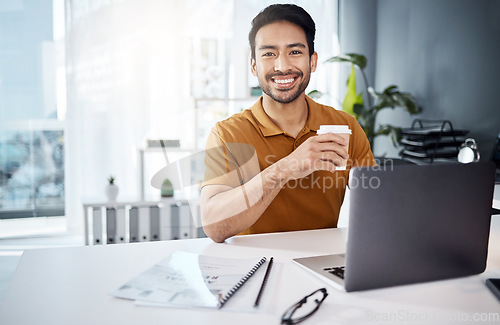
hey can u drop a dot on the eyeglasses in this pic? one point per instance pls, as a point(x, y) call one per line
point(317, 298)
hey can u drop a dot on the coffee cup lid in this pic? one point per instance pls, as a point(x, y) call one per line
point(334, 129)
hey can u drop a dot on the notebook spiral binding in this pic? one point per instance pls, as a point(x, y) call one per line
point(238, 285)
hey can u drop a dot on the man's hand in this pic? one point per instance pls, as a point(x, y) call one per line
point(321, 152)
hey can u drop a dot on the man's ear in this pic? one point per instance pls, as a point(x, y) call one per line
point(253, 66)
point(314, 61)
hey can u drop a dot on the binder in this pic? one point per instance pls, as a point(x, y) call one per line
point(134, 224)
point(165, 222)
point(185, 227)
point(97, 225)
point(200, 233)
point(110, 225)
point(174, 220)
point(144, 228)
point(194, 206)
point(120, 225)
point(196, 226)
point(154, 223)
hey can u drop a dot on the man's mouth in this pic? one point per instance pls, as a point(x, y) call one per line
point(284, 82)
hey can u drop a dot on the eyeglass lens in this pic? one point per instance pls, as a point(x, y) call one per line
point(305, 307)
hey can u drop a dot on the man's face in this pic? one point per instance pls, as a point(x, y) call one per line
point(282, 63)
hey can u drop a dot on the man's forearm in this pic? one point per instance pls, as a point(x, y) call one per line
point(230, 212)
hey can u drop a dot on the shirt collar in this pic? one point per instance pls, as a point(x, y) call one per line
point(267, 126)
point(314, 118)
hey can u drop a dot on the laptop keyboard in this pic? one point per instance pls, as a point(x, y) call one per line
point(337, 271)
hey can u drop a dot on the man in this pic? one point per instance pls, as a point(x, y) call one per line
point(266, 168)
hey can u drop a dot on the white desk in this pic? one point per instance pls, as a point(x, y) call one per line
point(71, 285)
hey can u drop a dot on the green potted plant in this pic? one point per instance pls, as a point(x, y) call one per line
point(111, 189)
point(167, 189)
point(366, 113)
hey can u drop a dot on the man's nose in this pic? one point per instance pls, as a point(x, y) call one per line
point(282, 63)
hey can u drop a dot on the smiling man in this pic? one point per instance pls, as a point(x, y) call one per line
point(266, 168)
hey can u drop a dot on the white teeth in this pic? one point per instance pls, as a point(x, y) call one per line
point(283, 81)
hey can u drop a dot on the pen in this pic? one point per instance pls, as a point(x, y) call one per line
point(268, 271)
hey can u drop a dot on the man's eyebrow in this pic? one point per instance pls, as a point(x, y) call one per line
point(296, 45)
point(274, 47)
point(267, 47)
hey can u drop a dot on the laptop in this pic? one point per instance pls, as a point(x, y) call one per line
point(411, 224)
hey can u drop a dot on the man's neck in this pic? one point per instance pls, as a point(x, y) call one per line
point(290, 117)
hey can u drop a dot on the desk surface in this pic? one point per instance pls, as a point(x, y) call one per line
point(71, 285)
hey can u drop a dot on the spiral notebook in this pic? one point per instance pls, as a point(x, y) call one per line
point(190, 280)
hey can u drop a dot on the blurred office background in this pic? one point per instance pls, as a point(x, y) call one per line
point(85, 83)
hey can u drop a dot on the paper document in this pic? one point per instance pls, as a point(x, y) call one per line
point(192, 280)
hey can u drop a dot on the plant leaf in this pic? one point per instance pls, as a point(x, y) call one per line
point(408, 102)
point(392, 97)
point(358, 59)
point(391, 89)
point(350, 97)
point(392, 131)
point(339, 58)
point(354, 58)
point(315, 94)
point(358, 109)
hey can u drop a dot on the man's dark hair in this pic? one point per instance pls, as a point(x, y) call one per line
point(283, 12)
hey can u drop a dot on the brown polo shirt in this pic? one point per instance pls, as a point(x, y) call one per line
point(241, 146)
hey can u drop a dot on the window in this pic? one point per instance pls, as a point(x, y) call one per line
point(31, 109)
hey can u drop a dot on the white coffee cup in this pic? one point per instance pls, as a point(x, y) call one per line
point(342, 130)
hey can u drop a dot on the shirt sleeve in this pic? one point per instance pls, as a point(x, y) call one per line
point(361, 153)
point(228, 163)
